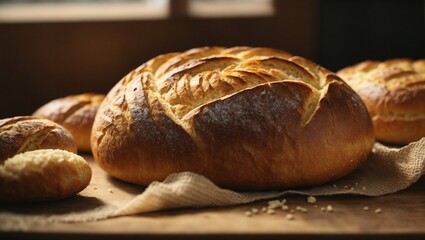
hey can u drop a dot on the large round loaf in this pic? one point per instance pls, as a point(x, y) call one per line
point(394, 93)
point(21, 134)
point(246, 118)
point(76, 113)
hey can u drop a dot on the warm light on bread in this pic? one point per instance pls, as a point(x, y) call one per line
point(41, 175)
point(394, 93)
point(246, 118)
point(76, 113)
point(21, 134)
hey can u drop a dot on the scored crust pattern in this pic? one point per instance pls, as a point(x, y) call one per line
point(392, 73)
point(393, 88)
point(183, 82)
point(62, 109)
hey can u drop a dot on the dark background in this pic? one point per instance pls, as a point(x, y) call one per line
point(43, 61)
point(352, 31)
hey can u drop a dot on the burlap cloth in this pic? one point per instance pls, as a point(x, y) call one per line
point(387, 170)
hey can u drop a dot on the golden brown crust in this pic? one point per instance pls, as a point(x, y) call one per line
point(394, 93)
point(246, 118)
point(76, 113)
point(42, 175)
point(20, 134)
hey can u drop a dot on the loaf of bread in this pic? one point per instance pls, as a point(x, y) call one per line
point(394, 93)
point(42, 175)
point(76, 113)
point(21, 134)
point(246, 118)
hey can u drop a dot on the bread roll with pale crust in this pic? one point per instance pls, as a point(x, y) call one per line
point(21, 134)
point(246, 118)
point(394, 93)
point(42, 175)
point(76, 113)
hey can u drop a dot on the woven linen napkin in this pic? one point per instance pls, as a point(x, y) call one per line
point(387, 170)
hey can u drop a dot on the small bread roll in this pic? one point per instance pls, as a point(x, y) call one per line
point(76, 113)
point(246, 118)
point(42, 175)
point(21, 134)
point(394, 94)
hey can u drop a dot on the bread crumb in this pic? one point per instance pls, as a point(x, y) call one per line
point(356, 183)
point(301, 209)
point(95, 188)
point(274, 204)
point(271, 211)
point(329, 208)
point(334, 186)
point(110, 190)
point(290, 217)
point(311, 199)
point(365, 208)
point(378, 211)
point(323, 209)
point(364, 188)
point(285, 207)
point(283, 201)
point(346, 187)
point(292, 211)
point(255, 210)
point(248, 214)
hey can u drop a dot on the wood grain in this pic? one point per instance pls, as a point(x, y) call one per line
point(403, 215)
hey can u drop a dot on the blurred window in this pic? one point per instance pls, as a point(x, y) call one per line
point(230, 8)
point(81, 10)
point(95, 10)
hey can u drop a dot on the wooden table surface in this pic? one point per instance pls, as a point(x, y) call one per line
point(403, 215)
